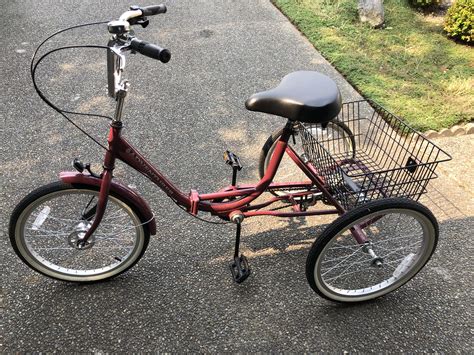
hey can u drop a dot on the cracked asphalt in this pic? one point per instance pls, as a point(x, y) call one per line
point(183, 115)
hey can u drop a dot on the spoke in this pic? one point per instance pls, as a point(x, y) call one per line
point(64, 220)
point(391, 239)
point(62, 232)
point(49, 232)
point(79, 220)
point(341, 261)
point(373, 240)
point(345, 274)
point(396, 252)
point(352, 247)
point(408, 247)
point(336, 277)
point(394, 261)
point(390, 253)
point(111, 225)
point(116, 217)
point(71, 227)
point(335, 259)
point(83, 251)
point(112, 248)
point(364, 258)
point(117, 241)
point(46, 235)
point(388, 263)
point(126, 240)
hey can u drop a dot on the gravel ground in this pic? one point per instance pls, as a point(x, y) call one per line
point(183, 115)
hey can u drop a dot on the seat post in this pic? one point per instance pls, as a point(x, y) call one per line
point(288, 130)
point(290, 125)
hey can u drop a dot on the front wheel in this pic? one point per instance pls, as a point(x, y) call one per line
point(46, 225)
point(401, 237)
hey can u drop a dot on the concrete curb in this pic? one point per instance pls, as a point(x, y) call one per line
point(468, 128)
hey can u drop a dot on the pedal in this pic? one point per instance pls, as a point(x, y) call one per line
point(232, 160)
point(240, 269)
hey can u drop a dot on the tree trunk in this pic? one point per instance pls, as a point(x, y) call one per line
point(371, 11)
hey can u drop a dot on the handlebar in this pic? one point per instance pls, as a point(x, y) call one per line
point(136, 11)
point(153, 10)
point(122, 41)
point(150, 50)
point(127, 15)
point(137, 15)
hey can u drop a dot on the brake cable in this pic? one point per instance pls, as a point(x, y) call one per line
point(61, 111)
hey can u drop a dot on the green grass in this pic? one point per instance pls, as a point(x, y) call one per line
point(409, 67)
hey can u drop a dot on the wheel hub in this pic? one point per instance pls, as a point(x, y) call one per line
point(75, 239)
point(376, 260)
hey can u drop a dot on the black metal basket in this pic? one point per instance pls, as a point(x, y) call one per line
point(370, 154)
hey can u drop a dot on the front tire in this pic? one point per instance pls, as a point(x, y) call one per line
point(46, 224)
point(402, 235)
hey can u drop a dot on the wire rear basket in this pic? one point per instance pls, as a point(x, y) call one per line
point(370, 154)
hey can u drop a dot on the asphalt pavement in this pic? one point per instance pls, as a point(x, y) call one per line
point(183, 115)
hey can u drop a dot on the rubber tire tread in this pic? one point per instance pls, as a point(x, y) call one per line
point(59, 186)
point(349, 217)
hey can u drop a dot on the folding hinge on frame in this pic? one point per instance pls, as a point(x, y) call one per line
point(194, 198)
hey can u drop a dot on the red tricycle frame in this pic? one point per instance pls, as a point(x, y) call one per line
point(228, 200)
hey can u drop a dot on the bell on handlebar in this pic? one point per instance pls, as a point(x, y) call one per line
point(118, 27)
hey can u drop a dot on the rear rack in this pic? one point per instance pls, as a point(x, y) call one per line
point(390, 158)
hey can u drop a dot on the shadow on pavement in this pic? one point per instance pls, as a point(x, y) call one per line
point(189, 302)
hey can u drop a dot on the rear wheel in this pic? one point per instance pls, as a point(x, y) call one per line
point(401, 237)
point(46, 225)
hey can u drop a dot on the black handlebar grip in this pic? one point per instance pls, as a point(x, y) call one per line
point(150, 50)
point(153, 10)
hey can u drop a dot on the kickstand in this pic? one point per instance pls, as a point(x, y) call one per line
point(240, 266)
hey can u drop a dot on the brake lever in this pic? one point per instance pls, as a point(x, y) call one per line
point(142, 21)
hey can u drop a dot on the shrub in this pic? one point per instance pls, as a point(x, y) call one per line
point(459, 21)
point(425, 3)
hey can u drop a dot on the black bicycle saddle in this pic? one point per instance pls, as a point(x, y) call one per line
point(305, 96)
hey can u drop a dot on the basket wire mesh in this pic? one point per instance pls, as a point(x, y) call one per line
point(371, 155)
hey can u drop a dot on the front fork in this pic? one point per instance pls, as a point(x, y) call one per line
point(101, 206)
point(106, 180)
point(109, 163)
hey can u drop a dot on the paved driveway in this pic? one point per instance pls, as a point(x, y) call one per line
point(183, 115)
